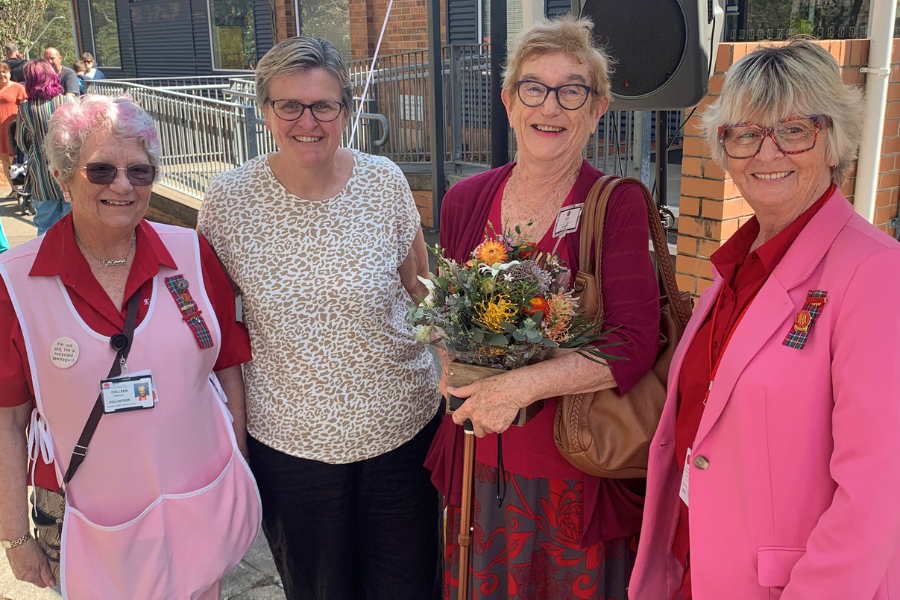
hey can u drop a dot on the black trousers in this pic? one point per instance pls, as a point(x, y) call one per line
point(369, 530)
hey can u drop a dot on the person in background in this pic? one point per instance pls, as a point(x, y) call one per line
point(12, 94)
point(67, 76)
point(15, 62)
point(45, 95)
point(79, 68)
point(91, 72)
point(775, 470)
point(342, 402)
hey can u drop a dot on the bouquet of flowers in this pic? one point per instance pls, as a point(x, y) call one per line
point(508, 306)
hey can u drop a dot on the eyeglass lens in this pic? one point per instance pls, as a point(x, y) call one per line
point(570, 97)
point(793, 135)
point(291, 110)
point(105, 173)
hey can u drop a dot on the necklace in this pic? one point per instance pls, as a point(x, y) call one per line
point(109, 263)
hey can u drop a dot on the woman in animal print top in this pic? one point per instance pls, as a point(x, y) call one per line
point(341, 401)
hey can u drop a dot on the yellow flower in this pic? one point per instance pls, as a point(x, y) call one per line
point(491, 313)
point(490, 252)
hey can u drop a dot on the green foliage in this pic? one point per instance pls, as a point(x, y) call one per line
point(21, 21)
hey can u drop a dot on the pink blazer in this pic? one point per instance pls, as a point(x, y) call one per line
point(801, 496)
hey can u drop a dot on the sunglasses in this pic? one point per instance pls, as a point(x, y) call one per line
point(101, 173)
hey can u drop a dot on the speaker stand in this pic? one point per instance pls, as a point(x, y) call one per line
point(662, 157)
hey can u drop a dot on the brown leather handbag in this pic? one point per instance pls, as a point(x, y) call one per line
point(602, 433)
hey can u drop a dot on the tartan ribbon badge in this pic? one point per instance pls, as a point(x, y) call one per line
point(805, 319)
point(190, 314)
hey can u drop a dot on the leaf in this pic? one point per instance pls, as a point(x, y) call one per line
point(498, 339)
point(519, 335)
point(533, 336)
point(508, 327)
point(549, 343)
point(478, 336)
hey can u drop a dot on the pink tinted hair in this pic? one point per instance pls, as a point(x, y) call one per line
point(74, 123)
point(41, 81)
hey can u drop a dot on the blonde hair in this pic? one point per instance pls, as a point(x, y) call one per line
point(296, 55)
point(776, 82)
point(566, 34)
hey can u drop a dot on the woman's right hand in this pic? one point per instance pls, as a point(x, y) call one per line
point(29, 564)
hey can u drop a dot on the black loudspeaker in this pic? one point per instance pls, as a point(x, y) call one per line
point(664, 50)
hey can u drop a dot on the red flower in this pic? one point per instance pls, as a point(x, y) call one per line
point(537, 304)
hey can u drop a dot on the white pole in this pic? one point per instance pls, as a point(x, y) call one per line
point(878, 75)
point(362, 100)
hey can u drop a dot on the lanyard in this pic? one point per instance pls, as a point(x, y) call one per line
point(714, 365)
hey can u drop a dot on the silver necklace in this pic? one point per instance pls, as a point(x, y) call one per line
point(121, 262)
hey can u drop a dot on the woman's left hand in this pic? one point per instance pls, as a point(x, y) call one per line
point(492, 404)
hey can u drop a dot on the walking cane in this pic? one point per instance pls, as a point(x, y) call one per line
point(465, 513)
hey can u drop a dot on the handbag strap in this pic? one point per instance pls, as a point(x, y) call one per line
point(122, 348)
point(593, 221)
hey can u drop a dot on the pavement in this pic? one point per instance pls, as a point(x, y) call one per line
point(255, 578)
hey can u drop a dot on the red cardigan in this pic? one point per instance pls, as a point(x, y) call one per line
point(631, 300)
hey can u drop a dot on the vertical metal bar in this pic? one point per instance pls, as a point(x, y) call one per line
point(252, 146)
point(645, 147)
point(436, 104)
point(662, 159)
point(499, 122)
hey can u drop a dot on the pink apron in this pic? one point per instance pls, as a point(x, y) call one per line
point(164, 506)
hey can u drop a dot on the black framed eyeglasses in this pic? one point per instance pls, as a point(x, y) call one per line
point(571, 96)
point(102, 173)
point(793, 135)
point(323, 111)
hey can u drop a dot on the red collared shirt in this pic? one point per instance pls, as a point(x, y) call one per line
point(744, 274)
point(60, 256)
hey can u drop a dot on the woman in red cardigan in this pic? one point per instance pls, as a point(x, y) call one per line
point(558, 533)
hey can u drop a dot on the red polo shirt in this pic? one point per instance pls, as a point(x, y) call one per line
point(744, 274)
point(59, 255)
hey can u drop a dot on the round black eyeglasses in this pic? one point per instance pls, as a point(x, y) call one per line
point(571, 96)
point(323, 111)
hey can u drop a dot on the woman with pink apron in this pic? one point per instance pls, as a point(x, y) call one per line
point(163, 505)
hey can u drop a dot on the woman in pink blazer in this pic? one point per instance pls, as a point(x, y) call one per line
point(775, 471)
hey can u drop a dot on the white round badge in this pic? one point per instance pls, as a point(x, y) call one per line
point(64, 352)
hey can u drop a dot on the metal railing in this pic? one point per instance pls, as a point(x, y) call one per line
point(202, 137)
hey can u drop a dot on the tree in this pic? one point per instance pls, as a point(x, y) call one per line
point(21, 21)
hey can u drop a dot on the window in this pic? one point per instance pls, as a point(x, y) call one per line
point(514, 19)
point(105, 32)
point(751, 20)
point(326, 19)
point(233, 34)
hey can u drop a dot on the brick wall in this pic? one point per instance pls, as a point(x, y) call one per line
point(407, 27)
point(711, 207)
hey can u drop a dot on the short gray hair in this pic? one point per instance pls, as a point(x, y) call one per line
point(567, 34)
point(296, 55)
point(73, 123)
point(798, 78)
point(11, 48)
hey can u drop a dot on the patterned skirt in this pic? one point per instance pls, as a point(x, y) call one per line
point(529, 550)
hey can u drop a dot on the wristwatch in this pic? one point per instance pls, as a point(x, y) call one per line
point(12, 544)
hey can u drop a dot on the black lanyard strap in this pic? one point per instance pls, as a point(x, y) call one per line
point(121, 343)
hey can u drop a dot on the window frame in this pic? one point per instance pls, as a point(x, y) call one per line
point(212, 43)
point(93, 35)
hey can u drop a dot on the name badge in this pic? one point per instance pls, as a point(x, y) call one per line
point(133, 392)
point(686, 479)
point(567, 220)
